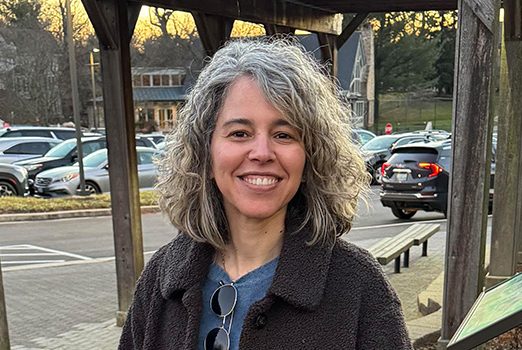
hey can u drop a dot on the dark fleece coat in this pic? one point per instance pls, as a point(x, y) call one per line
point(322, 297)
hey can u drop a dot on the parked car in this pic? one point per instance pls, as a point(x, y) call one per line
point(156, 138)
point(63, 154)
point(66, 180)
point(13, 180)
point(378, 150)
point(416, 178)
point(362, 136)
point(39, 131)
point(13, 149)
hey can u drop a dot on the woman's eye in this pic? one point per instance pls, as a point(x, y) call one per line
point(283, 135)
point(238, 134)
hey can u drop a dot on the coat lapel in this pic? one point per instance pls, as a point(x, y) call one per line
point(301, 274)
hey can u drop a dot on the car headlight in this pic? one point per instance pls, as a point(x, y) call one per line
point(69, 177)
point(31, 167)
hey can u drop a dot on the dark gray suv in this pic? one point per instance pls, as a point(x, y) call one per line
point(416, 177)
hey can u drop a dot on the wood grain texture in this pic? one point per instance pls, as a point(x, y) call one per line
point(119, 122)
point(466, 227)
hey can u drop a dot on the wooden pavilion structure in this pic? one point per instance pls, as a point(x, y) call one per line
point(475, 88)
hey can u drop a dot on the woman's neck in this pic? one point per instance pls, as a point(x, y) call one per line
point(252, 244)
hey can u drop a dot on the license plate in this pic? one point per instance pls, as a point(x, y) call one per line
point(402, 176)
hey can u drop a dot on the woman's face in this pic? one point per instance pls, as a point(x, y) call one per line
point(257, 157)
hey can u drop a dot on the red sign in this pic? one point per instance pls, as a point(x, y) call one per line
point(388, 129)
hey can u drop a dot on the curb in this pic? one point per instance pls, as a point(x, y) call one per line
point(68, 214)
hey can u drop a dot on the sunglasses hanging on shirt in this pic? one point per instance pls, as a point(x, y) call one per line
point(222, 302)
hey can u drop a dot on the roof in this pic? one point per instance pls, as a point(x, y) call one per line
point(163, 93)
point(158, 70)
point(345, 56)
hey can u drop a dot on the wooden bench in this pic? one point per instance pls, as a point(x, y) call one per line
point(389, 249)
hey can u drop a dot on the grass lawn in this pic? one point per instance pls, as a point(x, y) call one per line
point(11, 205)
point(407, 114)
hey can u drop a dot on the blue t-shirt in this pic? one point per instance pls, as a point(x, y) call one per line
point(251, 287)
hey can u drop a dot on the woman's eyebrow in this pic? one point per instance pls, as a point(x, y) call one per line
point(248, 122)
point(242, 121)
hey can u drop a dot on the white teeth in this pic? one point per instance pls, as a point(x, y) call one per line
point(261, 181)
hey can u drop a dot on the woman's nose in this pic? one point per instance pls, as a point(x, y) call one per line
point(262, 149)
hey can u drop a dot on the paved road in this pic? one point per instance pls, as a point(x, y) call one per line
point(32, 242)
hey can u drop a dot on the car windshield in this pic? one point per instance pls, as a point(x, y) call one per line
point(380, 142)
point(95, 159)
point(62, 149)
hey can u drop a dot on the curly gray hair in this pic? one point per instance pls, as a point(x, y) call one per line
point(292, 81)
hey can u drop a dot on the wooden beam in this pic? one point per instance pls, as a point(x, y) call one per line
point(350, 28)
point(507, 207)
point(134, 13)
point(328, 46)
point(467, 221)
point(119, 122)
point(513, 19)
point(272, 12)
point(357, 6)
point(273, 29)
point(483, 9)
point(213, 31)
point(100, 24)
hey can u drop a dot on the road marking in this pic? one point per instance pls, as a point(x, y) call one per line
point(77, 256)
point(29, 254)
point(20, 262)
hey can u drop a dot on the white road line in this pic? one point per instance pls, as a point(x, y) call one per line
point(31, 262)
point(32, 254)
point(81, 257)
point(15, 247)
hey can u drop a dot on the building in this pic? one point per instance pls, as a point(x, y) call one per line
point(158, 93)
point(356, 74)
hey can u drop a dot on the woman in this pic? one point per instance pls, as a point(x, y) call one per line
point(260, 178)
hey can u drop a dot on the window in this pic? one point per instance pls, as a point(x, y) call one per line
point(170, 118)
point(136, 80)
point(156, 80)
point(37, 148)
point(176, 80)
point(64, 134)
point(37, 133)
point(90, 147)
point(360, 109)
point(145, 157)
point(146, 80)
point(161, 113)
point(165, 80)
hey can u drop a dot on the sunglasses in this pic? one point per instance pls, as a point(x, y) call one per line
point(222, 303)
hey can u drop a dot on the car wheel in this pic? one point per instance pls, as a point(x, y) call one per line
point(402, 213)
point(7, 189)
point(91, 188)
point(377, 176)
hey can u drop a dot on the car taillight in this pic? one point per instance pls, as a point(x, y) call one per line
point(384, 167)
point(433, 167)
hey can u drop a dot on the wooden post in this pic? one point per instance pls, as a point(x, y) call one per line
point(507, 208)
point(112, 21)
point(4, 332)
point(467, 222)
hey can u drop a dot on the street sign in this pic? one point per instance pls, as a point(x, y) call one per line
point(388, 129)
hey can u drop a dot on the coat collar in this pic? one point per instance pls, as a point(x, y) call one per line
point(300, 277)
